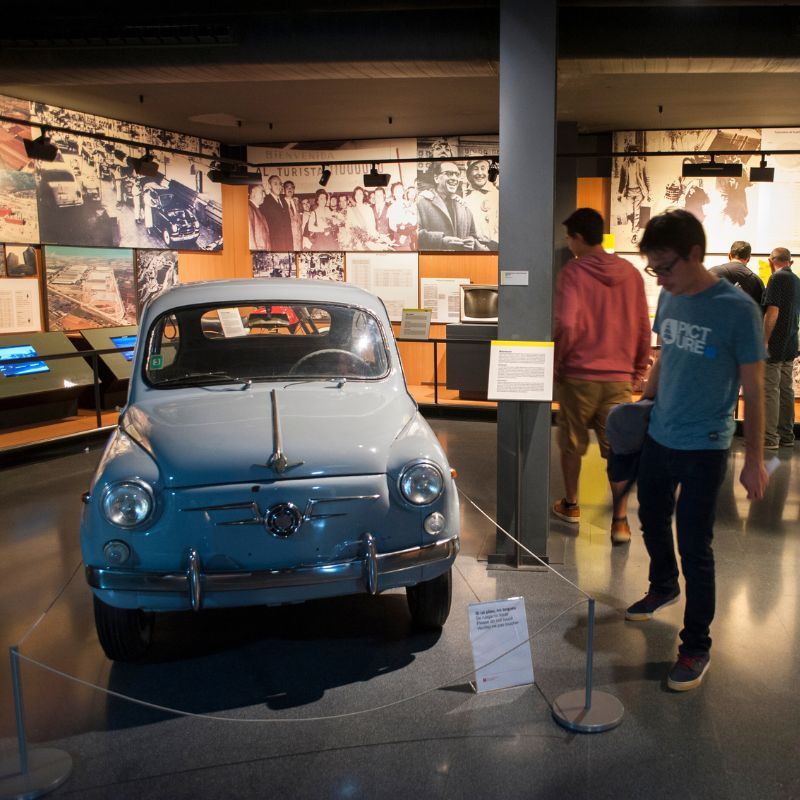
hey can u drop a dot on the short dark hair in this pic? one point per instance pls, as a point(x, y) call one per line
point(588, 223)
point(437, 165)
point(676, 230)
point(740, 249)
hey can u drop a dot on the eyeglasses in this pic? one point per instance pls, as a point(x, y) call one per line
point(449, 173)
point(661, 272)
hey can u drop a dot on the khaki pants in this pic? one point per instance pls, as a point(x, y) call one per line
point(778, 403)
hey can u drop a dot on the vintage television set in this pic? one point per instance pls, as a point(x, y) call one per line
point(479, 303)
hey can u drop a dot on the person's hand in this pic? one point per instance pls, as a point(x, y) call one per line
point(754, 478)
point(647, 199)
point(453, 241)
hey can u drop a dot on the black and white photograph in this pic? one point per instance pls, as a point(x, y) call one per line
point(458, 205)
point(156, 271)
point(19, 220)
point(290, 210)
point(321, 266)
point(89, 287)
point(730, 208)
point(2, 261)
point(21, 260)
point(274, 265)
point(92, 195)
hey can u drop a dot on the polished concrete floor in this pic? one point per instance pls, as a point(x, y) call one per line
point(315, 698)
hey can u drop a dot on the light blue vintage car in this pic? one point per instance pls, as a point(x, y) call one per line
point(269, 453)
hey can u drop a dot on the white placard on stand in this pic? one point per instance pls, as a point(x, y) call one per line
point(415, 323)
point(495, 628)
point(521, 371)
point(231, 322)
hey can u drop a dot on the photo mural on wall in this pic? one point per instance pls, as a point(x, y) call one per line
point(321, 266)
point(458, 207)
point(91, 195)
point(19, 221)
point(89, 287)
point(764, 214)
point(274, 265)
point(291, 211)
point(156, 271)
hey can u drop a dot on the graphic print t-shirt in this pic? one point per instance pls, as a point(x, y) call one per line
point(704, 339)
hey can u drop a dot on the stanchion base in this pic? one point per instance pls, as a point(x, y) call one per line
point(48, 768)
point(569, 711)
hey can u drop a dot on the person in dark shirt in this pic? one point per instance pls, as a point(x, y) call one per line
point(781, 314)
point(738, 273)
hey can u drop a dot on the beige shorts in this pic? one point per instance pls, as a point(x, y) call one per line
point(583, 405)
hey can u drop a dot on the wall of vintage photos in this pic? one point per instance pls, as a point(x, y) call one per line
point(763, 214)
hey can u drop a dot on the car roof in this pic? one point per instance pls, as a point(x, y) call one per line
point(257, 290)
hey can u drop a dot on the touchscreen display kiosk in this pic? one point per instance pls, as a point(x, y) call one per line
point(24, 368)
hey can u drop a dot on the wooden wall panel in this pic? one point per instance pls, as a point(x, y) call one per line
point(595, 193)
point(418, 357)
point(233, 261)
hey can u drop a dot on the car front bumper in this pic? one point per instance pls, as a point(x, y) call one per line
point(195, 588)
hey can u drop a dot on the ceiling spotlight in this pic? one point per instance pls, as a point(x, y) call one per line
point(494, 171)
point(233, 176)
point(762, 173)
point(325, 176)
point(707, 169)
point(146, 165)
point(374, 179)
point(42, 149)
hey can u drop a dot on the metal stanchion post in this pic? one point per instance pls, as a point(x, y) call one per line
point(435, 373)
point(96, 390)
point(587, 711)
point(31, 774)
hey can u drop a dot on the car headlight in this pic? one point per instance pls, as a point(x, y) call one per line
point(174, 226)
point(128, 503)
point(421, 483)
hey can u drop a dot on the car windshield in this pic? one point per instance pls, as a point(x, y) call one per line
point(167, 201)
point(57, 175)
point(264, 341)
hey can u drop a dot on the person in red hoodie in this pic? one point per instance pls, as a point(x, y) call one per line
point(602, 345)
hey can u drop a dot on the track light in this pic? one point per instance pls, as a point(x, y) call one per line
point(325, 176)
point(374, 179)
point(42, 149)
point(145, 165)
point(762, 173)
point(707, 169)
point(233, 177)
point(494, 171)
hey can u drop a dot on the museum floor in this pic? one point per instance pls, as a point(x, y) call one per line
point(340, 699)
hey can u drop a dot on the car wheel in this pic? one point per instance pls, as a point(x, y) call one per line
point(429, 601)
point(124, 633)
point(167, 238)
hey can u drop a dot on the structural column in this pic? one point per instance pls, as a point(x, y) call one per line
point(527, 170)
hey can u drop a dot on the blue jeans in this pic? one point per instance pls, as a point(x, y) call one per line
point(699, 474)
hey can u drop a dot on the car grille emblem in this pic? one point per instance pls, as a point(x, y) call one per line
point(283, 519)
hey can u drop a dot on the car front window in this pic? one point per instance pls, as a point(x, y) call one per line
point(264, 341)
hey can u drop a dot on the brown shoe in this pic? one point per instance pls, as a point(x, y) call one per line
point(620, 531)
point(569, 512)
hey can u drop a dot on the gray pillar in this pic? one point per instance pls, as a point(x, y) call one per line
point(527, 148)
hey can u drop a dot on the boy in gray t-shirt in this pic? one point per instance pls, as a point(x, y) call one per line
point(711, 344)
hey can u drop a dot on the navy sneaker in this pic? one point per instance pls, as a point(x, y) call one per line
point(649, 604)
point(688, 672)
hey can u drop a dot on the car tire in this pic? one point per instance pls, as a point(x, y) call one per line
point(124, 633)
point(429, 601)
point(167, 238)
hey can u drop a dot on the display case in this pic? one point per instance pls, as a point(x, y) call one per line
point(114, 368)
point(43, 389)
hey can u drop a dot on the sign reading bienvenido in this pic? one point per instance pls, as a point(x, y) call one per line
point(500, 628)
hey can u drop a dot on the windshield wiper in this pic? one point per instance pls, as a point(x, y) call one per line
point(338, 381)
point(199, 379)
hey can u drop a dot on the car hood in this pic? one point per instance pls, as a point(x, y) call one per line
point(221, 435)
point(178, 215)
